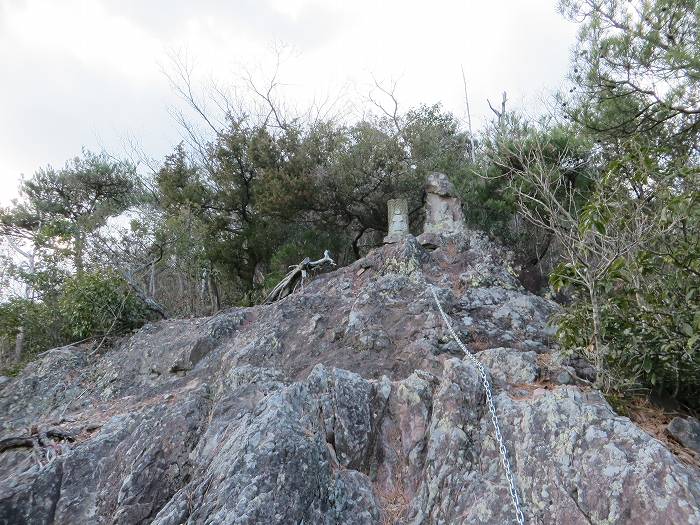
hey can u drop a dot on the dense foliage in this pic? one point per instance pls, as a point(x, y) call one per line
point(89, 305)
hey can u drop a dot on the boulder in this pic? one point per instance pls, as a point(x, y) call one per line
point(686, 431)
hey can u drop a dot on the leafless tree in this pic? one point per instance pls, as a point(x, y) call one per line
point(500, 114)
point(389, 109)
point(469, 116)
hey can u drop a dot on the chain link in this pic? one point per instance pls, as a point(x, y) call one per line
point(492, 408)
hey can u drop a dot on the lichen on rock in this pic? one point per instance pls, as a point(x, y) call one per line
point(344, 403)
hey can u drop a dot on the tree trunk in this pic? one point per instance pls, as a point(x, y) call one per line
point(152, 282)
point(29, 290)
point(213, 294)
point(356, 243)
point(597, 341)
point(150, 303)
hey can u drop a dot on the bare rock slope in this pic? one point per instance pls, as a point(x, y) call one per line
point(345, 403)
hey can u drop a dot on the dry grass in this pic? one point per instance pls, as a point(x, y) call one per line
point(521, 391)
point(544, 361)
point(394, 501)
point(479, 343)
point(653, 420)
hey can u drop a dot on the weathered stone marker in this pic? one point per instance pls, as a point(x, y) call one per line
point(398, 220)
point(443, 209)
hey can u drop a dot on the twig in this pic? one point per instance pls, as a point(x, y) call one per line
point(71, 401)
point(290, 282)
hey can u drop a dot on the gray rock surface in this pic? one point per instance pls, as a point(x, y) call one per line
point(510, 366)
point(346, 403)
point(686, 430)
point(564, 377)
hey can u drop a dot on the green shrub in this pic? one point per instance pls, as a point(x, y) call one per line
point(98, 303)
point(39, 322)
point(88, 304)
point(650, 328)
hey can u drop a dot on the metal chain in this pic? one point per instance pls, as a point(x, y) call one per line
point(492, 408)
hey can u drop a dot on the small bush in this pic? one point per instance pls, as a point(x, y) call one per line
point(650, 329)
point(88, 304)
point(98, 303)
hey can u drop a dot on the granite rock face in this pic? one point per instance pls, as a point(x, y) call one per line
point(509, 366)
point(344, 403)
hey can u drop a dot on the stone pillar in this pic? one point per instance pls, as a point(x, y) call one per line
point(443, 210)
point(398, 220)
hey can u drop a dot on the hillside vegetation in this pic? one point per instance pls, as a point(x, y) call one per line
point(600, 200)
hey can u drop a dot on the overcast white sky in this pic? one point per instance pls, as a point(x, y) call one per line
point(88, 73)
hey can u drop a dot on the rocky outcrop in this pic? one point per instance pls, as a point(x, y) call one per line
point(346, 402)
